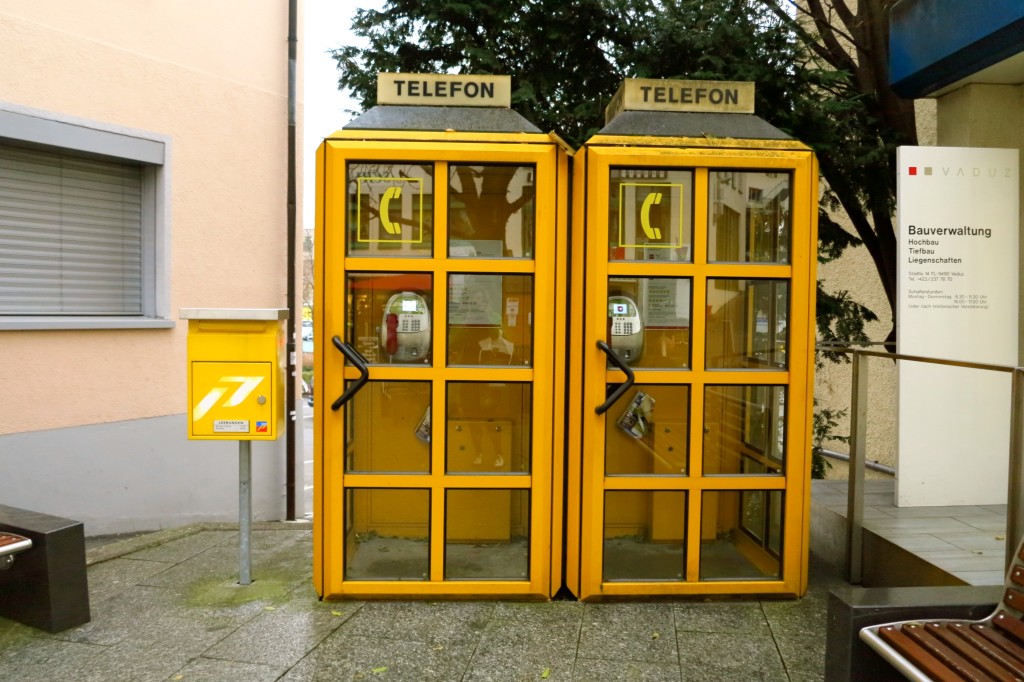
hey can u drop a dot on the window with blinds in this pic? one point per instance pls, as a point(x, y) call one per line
point(71, 234)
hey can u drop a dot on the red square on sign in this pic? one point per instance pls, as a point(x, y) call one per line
point(913, 170)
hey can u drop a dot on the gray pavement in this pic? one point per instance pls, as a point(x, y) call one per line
point(167, 606)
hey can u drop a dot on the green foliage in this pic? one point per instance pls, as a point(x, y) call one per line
point(567, 58)
point(826, 421)
point(555, 51)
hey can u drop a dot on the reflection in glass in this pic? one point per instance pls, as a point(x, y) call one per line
point(644, 535)
point(387, 533)
point(650, 214)
point(487, 535)
point(390, 209)
point(749, 215)
point(739, 538)
point(490, 320)
point(489, 427)
point(646, 431)
point(388, 428)
point(491, 211)
point(744, 430)
point(390, 316)
point(649, 321)
point(747, 323)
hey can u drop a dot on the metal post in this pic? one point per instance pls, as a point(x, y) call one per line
point(1015, 479)
point(858, 449)
point(244, 512)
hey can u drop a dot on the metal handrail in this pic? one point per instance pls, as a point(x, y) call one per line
point(858, 449)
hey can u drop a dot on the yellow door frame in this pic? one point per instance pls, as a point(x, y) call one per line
point(546, 373)
point(591, 271)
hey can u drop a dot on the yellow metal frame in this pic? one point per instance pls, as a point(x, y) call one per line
point(585, 525)
point(547, 267)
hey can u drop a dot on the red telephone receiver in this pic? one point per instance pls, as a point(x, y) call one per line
point(391, 342)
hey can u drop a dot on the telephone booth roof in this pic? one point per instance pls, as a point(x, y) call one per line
point(442, 119)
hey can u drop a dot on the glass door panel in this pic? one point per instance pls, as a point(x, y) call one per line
point(388, 535)
point(749, 216)
point(388, 428)
point(650, 434)
point(489, 427)
point(487, 535)
point(747, 323)
point(649, 321)
point(390, 316)
point(644, 534)
point(740, 539)
point(490, 320)
point(390, 209)
point(491, 211)
point(650, 214)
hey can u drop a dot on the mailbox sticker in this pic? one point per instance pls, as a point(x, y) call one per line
point(230, 426)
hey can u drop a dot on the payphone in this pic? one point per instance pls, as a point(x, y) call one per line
point(405, 328)
point(627, 328)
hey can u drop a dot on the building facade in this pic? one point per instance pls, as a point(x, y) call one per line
point(143, 169)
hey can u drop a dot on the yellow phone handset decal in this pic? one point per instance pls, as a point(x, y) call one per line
point(385, 210)
point(645, 215)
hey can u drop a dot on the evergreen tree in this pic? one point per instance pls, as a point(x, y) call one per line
point(819, 66)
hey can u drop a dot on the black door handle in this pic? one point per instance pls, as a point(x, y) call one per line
point(353, 356)
point(614, 358)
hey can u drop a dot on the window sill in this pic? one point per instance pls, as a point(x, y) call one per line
point(28, 323)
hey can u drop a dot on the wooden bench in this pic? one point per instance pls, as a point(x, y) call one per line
point(948, 649)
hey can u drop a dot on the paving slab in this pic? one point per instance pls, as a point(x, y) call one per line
point(170, 608)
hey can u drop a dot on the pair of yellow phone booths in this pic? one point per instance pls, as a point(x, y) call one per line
point(539, 370)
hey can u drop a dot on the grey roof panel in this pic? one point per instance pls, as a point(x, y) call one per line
point(686, 124)
point(459, 119)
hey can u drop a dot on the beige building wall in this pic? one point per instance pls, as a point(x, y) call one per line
point(855, 272)
point(210, 81)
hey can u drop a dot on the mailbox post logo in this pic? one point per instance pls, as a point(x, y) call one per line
point(245, 386)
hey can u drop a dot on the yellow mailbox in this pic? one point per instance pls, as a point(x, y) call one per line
point(236, 373)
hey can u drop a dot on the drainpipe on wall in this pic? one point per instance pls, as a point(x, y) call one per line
point(291, 351)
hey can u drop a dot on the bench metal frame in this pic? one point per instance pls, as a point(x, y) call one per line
point(935, 660)
point(12, 544)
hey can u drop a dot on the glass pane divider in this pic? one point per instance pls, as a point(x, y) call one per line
point(733, 377)
point(488, 266)
point(699, 253)
point(722, 482)
point(693, 533)
point(747, 270)
point(457, 481)
point(438, 513)
point(488, 373)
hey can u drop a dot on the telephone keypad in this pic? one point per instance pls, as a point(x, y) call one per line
point(409, 324)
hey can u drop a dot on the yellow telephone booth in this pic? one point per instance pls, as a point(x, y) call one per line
point(694, 253)
point(440, 315)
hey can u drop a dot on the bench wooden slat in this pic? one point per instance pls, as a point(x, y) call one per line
point(1017, 575)
point(991, 650)
point(978, 656)
point(1007, 623)
point(917, 655)
point(968, 670)
point(1006, 644)
point(1014, 599)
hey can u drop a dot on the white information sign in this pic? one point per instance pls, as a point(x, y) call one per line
point(957, 299)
